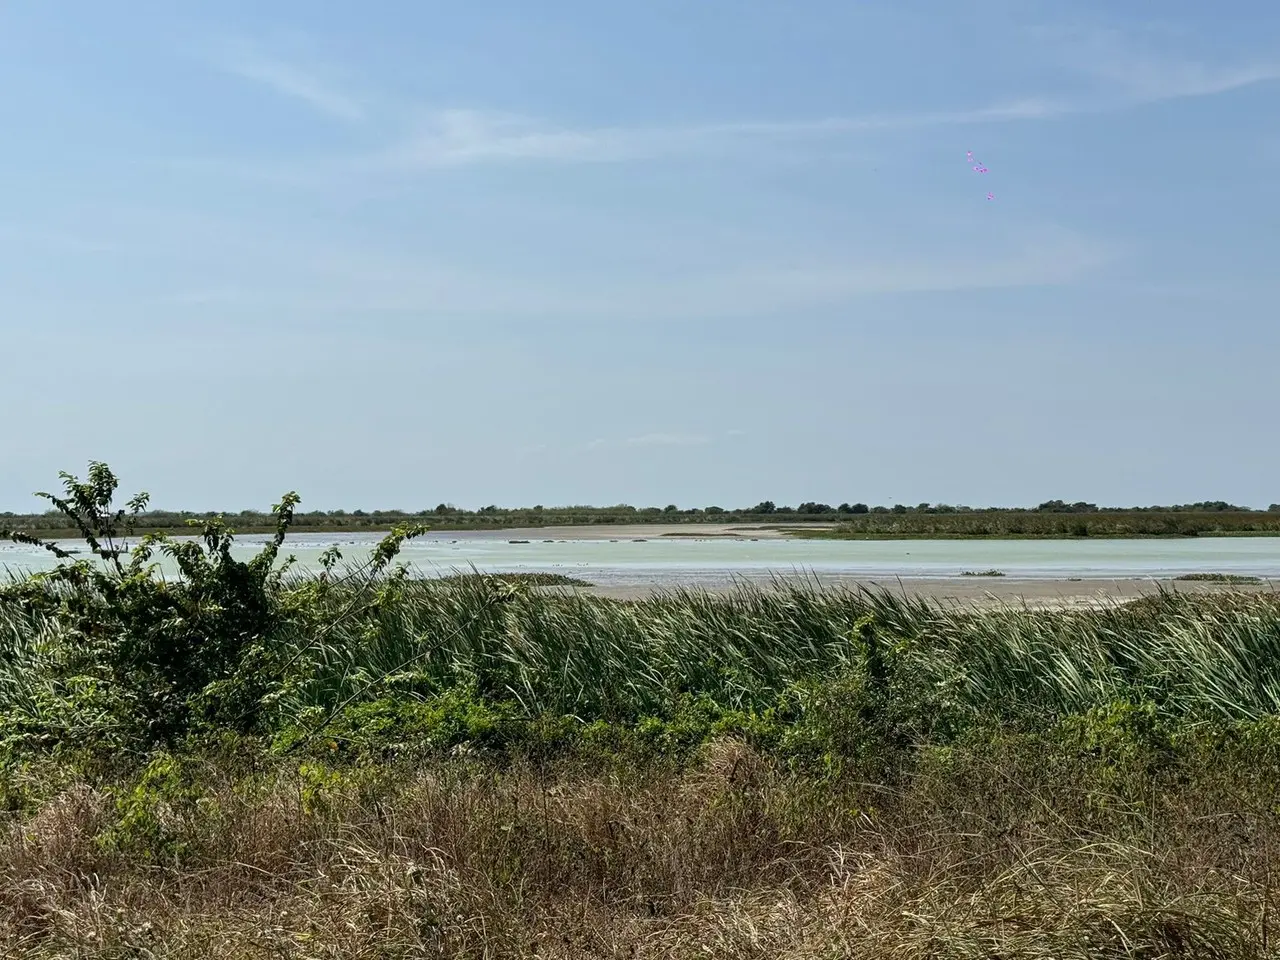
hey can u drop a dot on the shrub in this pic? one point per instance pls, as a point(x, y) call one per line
point(128, 657)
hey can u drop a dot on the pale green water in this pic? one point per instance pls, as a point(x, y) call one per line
point(671, 561)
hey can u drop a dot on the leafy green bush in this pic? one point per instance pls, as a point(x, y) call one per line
point(149, 812)
point(121, 656)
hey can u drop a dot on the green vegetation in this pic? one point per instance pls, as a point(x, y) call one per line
point(1051, 519)
point(1219, 578)
point(982, 573)
point(1044, 524)
point(513, 579)
point(247, 762)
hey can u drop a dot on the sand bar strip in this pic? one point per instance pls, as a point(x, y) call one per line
point(622, 531)
point(978, 591)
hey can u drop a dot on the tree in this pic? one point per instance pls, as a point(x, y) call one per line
point(764, 506)
point(1059, 506)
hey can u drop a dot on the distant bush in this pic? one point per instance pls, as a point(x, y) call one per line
point(1058, 506)
point(1219, 578)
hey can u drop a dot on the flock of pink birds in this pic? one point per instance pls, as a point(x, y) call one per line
point(979, 167)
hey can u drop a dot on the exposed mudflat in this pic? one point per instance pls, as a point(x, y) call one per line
point(979, 591)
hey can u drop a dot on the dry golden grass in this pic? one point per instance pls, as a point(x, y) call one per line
point(733, 858)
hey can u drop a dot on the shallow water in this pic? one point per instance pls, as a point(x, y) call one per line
point(715, 561)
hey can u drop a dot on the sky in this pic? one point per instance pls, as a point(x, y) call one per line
point(403, 252)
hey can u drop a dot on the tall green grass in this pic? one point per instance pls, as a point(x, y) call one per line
point(1192, 658)
point(1195, 658)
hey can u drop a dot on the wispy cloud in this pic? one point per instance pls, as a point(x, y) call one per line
point(294, 82)
point(1122, 75)
point(668, 440)
point(1154, 80)
point(652, 440)
point(1129, 71)
point(1048, 259)
point(253, 263)
point(462, 137)
point(465, 136)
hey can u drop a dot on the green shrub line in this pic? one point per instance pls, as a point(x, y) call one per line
point(1051, 519)
point(1233, 578)
point(524, 579)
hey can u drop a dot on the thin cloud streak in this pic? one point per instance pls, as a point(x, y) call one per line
point(668, 440)
point(244, 263)
point(1127, 78)
point(1153, 82)
point(747, 290)
point(293, 82)
point(1133, 75)
point(460, 137)
point(653, 440)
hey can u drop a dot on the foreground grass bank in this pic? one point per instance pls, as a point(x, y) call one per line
point(244, 763)
point(1003, 851)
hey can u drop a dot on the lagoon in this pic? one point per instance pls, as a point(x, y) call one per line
point(715, 561)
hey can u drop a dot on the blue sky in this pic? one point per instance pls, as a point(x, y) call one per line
point(397, 253)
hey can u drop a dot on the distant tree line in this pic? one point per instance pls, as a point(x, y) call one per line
point(446, 515)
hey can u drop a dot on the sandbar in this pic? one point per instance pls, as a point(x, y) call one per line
point(627, 531)
point(985, 592)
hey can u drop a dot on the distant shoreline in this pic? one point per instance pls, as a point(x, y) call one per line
point(697, 529)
